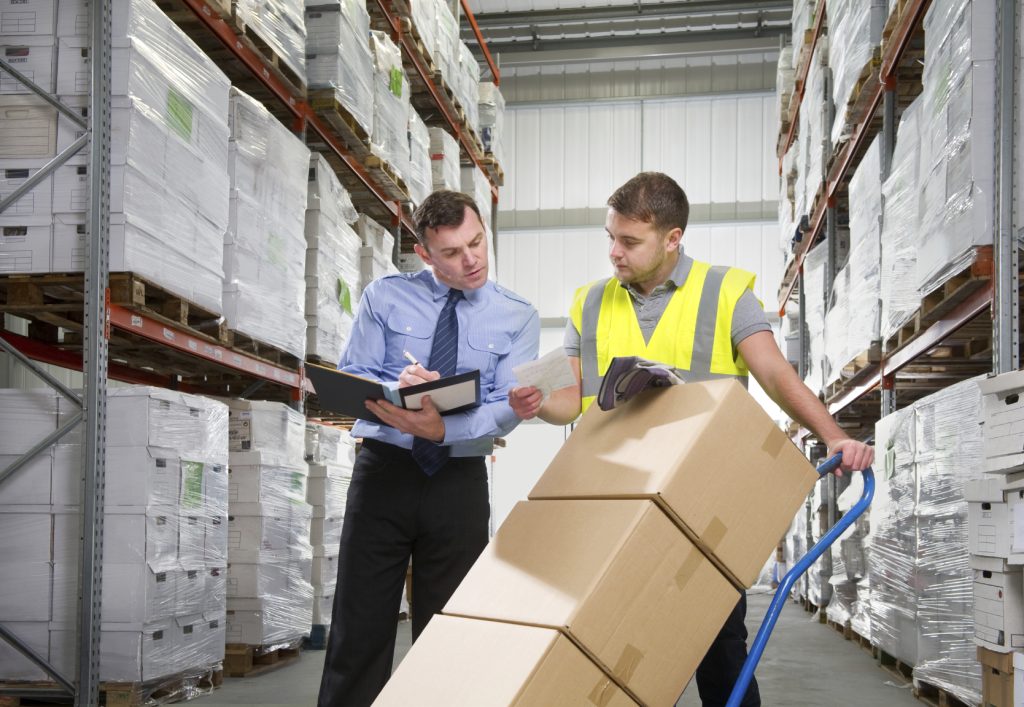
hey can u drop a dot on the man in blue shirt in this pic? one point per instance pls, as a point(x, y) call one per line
point(419, 486)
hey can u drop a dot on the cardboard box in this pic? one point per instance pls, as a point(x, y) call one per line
point(616, 576)
point(215, 541)
point(216, 596)
point(261, 621)
point(128, 652)
point(267, 575)
point(323, 609)
point(27, 17)
point(15, 666)
point(996, 678)
point(190, 596)
point(25, 249)
point(143, 476)
point(134, 593)
point(28, 128)
point(29, 485)
point(324, 576)
point(326, 529)
point(34, 208)
point(998, 610)
point(34, 57)
point(1003, 426)
point(285, 527)
point(268, 427)
point(497, 663)
point(256, 478)
point(25, 570)
point(732, 494)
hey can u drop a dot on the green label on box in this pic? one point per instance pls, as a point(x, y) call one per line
point(396, 82)
point(179, 114)
point(299, 486)
point(344, 296)
point(192, 484)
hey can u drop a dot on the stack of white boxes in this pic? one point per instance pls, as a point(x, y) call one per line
point(492, 119)
point(376, 254)
point(476, 184)
point(280, 24)
point(389, 139)
point(856, 29)
point(331, 455)
point(264, 243)
point(332, 264)
point(996, 524)
point(466, 86)
point(444, 160)
point(922, 610)
point(957, 152)
point(270, 598)
point(419, 177)
point(446, 47)
point(164, 547)
point(169, 179)
point(338, 55)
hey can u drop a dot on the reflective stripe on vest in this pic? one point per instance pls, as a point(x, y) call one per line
point(696, 359)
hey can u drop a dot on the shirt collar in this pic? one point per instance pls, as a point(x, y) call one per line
point(439, 290)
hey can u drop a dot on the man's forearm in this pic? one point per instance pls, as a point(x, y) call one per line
point(797, 401)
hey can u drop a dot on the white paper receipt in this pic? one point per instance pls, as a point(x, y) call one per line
point(548, 373)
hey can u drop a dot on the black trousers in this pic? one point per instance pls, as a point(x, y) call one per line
point(395, 511)
point(721, 666)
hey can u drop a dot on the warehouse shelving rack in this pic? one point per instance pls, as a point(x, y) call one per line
point(955, 337)
point(110, 337)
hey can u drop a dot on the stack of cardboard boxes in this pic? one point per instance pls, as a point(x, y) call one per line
point(376, 255)
point(330, 452)
point(169, 181)
point(444, 160)
point(264, 244)
point(996, 528)
point(338, 55)
point(333, 282)
point(389, 139)
point(611, 582)
point(281, 26)
point(492, 119)
point(270, 560)
point(163, 594)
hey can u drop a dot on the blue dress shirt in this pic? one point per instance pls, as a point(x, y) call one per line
point(498, 330)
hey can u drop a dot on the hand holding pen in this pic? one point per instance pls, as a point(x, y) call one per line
point(415, 373)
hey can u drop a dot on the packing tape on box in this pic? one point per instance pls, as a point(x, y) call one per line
point(628, 662)
point(603, 692)
point(774, 443)
point(688, 568)
point(714, 533)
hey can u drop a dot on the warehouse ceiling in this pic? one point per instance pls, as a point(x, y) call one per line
point(537, 26)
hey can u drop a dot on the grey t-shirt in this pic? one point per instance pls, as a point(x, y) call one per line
point(748, 317)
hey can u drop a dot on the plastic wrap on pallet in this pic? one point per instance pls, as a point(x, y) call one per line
point(420, 177)
point(785, 82)
point(901, 225)
point(261, 621)
point(329, 22)
point(281, 26)
point(892, 566)
point(795, 546)
point(802, 21)
point(168, 159)
point(446, 46)
point(789, 193)
point(957, 154)
point(327, 444)
point(859, 23)
point(813, 130)
point(328, 494)
point(949, 452)
point(814, 283)
point(492, 120)
point(264, 246)
point(860, 618)
point(424, 24)
point(345, 66)
point(840, 607)
point(469, 87)
point(444, 160)
point(389, 139)
point(853, 322)
point(332, 263)
point(269, 427)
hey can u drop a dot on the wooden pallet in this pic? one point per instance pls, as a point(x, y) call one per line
point(493, 169)
point(245, 661)
point(57, 299)
point(842, 629)
point(277, 62)
point(893, 20)
point(354, 136)
point(937, 304)
point(936, 696)
point(390, 183)
point(864, 643)
point(243, 342)
point(122, 694)
point(894, 666)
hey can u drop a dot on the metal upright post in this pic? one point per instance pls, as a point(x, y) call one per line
point(888, 147)
point(1006, 304)
point(95, 357)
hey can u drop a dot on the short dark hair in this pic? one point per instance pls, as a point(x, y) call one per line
point(654, 198)
point(442, 208)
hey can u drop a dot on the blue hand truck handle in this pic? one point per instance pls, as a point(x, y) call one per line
point(772, 615)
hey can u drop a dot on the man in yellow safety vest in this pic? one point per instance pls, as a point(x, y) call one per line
point(705, 321)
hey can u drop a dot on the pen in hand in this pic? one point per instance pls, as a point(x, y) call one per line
point(410, 358)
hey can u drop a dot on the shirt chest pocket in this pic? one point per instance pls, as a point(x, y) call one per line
point(407, 332)
point(484, 350)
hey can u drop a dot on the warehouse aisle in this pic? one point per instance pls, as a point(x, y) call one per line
point(806, 664)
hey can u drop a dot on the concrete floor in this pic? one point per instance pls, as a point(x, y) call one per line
point(806, 664)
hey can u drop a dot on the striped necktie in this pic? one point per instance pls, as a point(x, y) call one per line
point(444, 355)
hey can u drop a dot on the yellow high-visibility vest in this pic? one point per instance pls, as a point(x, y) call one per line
point(694, 333)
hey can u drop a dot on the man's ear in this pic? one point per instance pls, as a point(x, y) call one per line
point(422, 252)
point(675, 236)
